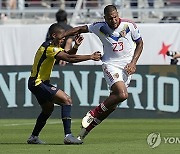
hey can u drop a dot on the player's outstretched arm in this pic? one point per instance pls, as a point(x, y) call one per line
point(74, 31)
point(96, 56)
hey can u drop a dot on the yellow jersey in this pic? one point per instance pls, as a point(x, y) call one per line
point(44, 61)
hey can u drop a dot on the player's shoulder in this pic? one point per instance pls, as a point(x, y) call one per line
point(46, 43)
point(99, 23)
point(49, 47)
point(128, 21)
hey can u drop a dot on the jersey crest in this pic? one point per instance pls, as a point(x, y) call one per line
point(115, 35)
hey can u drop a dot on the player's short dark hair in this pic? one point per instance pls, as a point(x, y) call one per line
point(54, 28)
point(61, 16)
point(109, 8)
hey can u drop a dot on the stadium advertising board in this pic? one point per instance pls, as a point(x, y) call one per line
point(153, 92)
point(166, 37)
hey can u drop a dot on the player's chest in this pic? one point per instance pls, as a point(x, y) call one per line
point(120, 34)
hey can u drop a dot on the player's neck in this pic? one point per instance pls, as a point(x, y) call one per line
point(56, 44)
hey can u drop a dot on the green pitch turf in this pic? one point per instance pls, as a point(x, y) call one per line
point(113, 136)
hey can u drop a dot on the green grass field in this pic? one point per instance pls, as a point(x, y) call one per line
point(120, 136)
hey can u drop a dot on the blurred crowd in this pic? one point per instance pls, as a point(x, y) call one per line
point(19, 4)
point(91, 4)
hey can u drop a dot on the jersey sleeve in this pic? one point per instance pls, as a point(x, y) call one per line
point(52, 51)
point(95, 27)
point(135, 32)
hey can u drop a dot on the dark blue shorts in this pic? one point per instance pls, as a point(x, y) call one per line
point(44, 91)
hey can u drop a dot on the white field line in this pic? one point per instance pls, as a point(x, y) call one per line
point(32, 123)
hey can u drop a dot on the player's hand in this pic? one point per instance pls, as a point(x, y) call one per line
point(78, 39)
point(130, 68)
point(62, 63)
point(96, 56)
point(176, 55)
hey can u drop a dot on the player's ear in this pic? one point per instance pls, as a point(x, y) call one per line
point(105, 18)
point(54, 35)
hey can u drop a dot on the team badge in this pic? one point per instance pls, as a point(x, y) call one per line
point(123, 33)
point(116, 76)
point(55, 49)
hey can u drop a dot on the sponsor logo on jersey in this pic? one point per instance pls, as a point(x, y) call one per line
point(53, 88)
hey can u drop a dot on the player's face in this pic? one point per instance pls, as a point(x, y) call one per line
point(59, 42)
point(112, 19)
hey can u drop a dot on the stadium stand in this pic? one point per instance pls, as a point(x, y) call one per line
point(85, 11)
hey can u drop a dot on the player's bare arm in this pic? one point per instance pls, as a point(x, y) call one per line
point(78, 41)
point(131, 67)
point(96, 56)
point(66, 48)
point(177, 55)
point(74, 31)
point(68, 45)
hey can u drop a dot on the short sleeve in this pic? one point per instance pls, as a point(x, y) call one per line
point(52, 51)
point(135, 32)
point(95, 27)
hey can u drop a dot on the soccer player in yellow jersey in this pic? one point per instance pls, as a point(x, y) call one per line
point(47, 94)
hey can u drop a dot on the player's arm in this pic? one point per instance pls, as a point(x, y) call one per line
point(177, 55)
point(96, 56)
point(74, 31)
point(78, 41)
point(68, 44)
point(138, 51)
point(131, 67)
